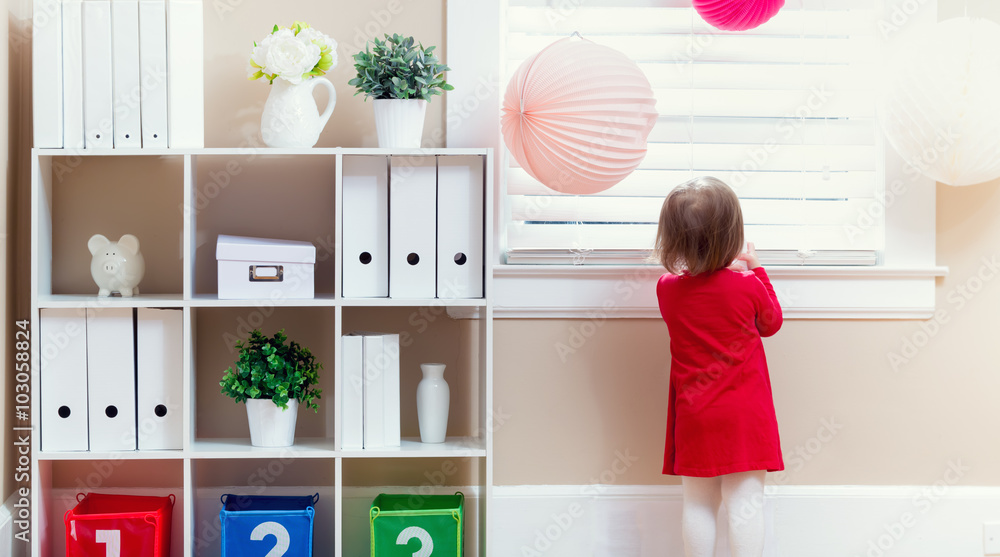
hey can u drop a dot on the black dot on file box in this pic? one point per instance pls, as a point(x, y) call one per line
point(460, 258)
point(365, 258)
point(111, 411)
point(127, 136)
point(156, 135)
point(413, 259)
point(64, 411)
point(160, 410)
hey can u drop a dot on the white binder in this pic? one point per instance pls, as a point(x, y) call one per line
point(98, 113)
point(46, 64)
point(159, 367)
point(460, 238)
point(412, 227)
point(352, 417)
point(365, 252)
point(125, 72)
point(72, 72)
point(63, 376)
point(390, 389)
point(185, 74)
point(111, 376)
point(374, 388)
point(153, 73)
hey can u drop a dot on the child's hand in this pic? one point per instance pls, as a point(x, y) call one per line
point(749, 257)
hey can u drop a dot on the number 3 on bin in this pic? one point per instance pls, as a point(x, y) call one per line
point(426, 543)
point(265, 529)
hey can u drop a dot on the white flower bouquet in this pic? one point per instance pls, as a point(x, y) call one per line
point(293, 53)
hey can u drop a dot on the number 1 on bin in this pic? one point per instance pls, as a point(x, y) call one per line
point(426, 543)
point(112, 540)
point(265, 529)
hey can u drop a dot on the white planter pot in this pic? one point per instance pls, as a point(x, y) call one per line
point(270, 426)
point(399, 122)
point(290, 117)
point(433, 399)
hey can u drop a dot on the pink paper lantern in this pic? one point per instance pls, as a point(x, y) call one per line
point(737, 15)
point(576, 116)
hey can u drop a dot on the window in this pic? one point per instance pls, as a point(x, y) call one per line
point(784, 113)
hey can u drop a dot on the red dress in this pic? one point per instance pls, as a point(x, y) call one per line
point(720, 417)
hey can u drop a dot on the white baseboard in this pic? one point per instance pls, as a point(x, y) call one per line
point(939, 520)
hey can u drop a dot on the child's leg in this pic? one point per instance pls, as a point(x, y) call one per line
point(743, 493)
point(701, 505)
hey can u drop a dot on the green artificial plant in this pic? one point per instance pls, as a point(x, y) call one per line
point(399, 68)
point(268, 368)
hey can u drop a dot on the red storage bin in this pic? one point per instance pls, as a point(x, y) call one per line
point(119, 525)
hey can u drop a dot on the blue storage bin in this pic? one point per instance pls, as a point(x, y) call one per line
point(254, 525)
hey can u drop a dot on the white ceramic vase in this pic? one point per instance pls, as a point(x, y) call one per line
point(270, 426)
point(399, 122)
point(290, 117)
point(433, 399)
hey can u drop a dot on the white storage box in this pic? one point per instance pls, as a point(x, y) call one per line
point(261, 268)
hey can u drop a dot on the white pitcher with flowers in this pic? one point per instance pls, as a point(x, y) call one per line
point(293, 60)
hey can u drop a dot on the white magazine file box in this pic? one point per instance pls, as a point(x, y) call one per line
point(159, 365)
point(111, 379)
point(460, 235)
point(62, 361)
point(412, 227)
point(365, 253)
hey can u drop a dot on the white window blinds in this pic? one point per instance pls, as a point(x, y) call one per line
point(783, 113)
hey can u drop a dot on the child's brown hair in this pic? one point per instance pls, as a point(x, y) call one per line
point(701, 227)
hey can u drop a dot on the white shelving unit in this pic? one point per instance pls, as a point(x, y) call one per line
point(163, 193)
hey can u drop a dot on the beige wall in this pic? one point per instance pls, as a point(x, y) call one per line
point(568, 422)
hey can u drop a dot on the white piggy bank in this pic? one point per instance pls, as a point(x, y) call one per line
point(116, 266)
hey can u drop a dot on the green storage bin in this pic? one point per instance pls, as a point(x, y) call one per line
point(421, 526)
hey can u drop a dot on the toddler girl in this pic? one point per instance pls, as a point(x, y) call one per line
point(721, 430)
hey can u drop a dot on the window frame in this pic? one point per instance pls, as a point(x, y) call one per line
point(901, 286)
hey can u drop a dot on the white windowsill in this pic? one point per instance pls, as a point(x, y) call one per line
point(629, 291)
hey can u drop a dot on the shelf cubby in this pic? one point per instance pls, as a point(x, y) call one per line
point(216, 330)
point(147, 203)
point(63, 480)
point(364, 480)
point(428, 334)
point(277, 475)
point(264, 196)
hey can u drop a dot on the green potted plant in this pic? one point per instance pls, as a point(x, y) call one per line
point(401, 76)
point(273, 378)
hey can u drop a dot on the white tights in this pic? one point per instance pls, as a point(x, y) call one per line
point(743, 494)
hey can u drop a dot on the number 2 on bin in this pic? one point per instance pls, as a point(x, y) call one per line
point(426, 543)
point(265, 529)
point(112, 540)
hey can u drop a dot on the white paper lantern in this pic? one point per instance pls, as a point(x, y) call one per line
point(941, 107)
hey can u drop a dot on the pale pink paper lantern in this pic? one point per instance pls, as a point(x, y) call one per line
point(737, 15)
point(576, 116)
